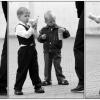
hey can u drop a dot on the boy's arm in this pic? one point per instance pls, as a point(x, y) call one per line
point(94, 18)
point(35, 33)
point(41, 37)
point(21, 31)
point(66, 33)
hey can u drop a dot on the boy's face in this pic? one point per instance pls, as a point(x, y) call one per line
point(25, 17)
point(50, 21)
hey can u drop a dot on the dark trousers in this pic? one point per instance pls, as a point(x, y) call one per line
point(3, 67)
point(79, 51)
point(55, 58)
point(27, 60)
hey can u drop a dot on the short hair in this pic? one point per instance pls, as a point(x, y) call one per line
point(49, 14)
point(22, 10)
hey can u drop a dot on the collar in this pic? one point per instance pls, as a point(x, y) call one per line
point(54, 26)
point(20, 22)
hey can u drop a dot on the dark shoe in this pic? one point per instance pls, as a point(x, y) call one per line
point(64, 82)
point(45, 83)
point(99, 92)
point(78, 88)
point(39, 90)
point(18, 92)
point(3, 91)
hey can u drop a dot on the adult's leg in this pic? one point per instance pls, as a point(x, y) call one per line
point(79, 66)
point(79, 51)
point(79, 54)
point(3, 67)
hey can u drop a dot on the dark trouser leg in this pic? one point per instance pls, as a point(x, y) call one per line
point(3, 67)
point(79, 65)
point(79, 50)
point(33, 69)
point(23, 65)
point(48, 66)
point(58, 69)
point(3, 72)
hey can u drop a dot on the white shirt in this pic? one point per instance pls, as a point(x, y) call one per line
point(22, 32)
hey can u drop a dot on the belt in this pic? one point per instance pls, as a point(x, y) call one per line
point(26, 45)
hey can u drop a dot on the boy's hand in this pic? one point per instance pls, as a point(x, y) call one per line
point(43, 36)
point(33, 23)
point(60, 33)
point(34, 26)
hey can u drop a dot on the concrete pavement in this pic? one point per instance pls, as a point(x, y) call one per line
point(92, 66)
point(54, 91)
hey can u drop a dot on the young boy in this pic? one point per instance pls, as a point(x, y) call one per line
point(27, 54)
point(51, 36)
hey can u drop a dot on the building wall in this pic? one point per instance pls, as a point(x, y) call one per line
point(65, 12)
point(91, 26)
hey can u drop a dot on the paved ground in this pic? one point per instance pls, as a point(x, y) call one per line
point(53, 91)
point(92, 71)
point(92, 66)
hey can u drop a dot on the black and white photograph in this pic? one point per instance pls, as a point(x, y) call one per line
point(46, 49)
point(92, 37)
point(3, 50)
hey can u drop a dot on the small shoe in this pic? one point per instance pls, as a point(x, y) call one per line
point(39, 90)
point(45, 83)
point(99, 92)
point(78, 88)
point(64, 82)
point(18, 92)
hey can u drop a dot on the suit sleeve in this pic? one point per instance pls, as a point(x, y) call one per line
point(66, 34)
point(40, 36)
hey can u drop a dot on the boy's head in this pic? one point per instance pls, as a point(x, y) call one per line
point(49, 18)
point(23, 14)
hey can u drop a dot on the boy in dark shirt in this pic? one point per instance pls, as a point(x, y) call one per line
point(51, 36)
